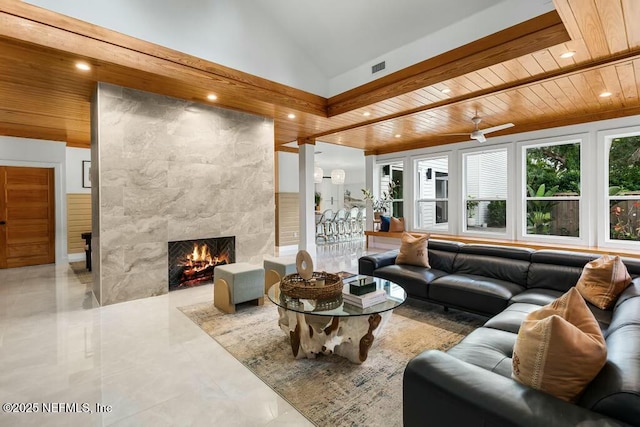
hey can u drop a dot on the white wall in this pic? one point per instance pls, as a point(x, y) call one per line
point(42, 154)
point(493, 19)
point(354, 182)
point(287, 172)
point(333, 194)
point(75, 157)
point(288, 181)
point(228, 32)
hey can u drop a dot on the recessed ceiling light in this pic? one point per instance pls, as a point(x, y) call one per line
point(212, 97)
point(82, 66)
point(567, 54)
point(366, 114)
point(446, 90)
point(605, 94)
point(291, 116)
point(398, 135)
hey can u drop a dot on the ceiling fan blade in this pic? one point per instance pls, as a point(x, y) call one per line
point(479, 137)
point(453, 134)
point(497, 128)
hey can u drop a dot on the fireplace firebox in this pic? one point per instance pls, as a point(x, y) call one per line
point(191, 262)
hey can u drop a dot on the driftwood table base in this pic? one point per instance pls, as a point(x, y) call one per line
point(349, 337)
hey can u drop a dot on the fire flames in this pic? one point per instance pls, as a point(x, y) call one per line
point(199, 257)
point(199, 264)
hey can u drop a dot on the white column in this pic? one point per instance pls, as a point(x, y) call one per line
point(369, 165)
point(306, 192)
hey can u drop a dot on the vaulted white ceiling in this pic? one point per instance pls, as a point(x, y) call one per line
point(339, 35)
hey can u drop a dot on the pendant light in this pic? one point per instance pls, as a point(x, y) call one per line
point(337, 176)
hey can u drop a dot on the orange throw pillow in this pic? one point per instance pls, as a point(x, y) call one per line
point(560, 348)
point(603, 280)
point(396, 225)
point(413, 251)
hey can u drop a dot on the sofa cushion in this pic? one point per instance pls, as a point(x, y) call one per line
point(633, 266)
point(537, 296)
point(396, 225)
point(445, 245)
point(560, 348)
point(632, 291)
point(513, 253)
point(603, 317)
point(616, 390)
point(557, 270)
point(441, 260)
point(511, 317)
point(475, 293)
point(385, 222)
point(414, 280)
point(413, 250)
point(625, 314)
point(603, 280)
point(487, 348)
point(506, 269)
point(442, 254)
point(542, 296)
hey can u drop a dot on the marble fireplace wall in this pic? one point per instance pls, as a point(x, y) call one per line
point(168, 169)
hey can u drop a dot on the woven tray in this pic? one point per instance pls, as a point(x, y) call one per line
point(294, 286)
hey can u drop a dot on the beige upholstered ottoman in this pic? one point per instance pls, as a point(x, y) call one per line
point(236, 283)
point(276, 268)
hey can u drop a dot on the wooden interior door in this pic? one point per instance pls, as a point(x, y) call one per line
point(27, 216)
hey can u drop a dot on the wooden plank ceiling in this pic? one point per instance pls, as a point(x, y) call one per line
point(516, 76)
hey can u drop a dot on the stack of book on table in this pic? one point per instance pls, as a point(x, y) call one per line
point(366, 300)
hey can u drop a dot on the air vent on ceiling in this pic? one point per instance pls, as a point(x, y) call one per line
point(378, 67)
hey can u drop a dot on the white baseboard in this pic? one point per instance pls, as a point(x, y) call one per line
point(287, 250)
point(76, 257)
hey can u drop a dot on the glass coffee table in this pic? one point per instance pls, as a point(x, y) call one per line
point(326, 327)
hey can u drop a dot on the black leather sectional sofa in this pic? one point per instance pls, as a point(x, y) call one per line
point(471, 385)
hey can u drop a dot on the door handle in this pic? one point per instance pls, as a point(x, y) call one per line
point(3, 222)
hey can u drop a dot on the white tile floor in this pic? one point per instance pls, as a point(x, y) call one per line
point(144, 358)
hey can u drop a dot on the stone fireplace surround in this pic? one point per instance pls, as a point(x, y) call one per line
point(165, 169)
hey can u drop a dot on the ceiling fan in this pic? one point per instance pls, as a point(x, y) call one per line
point(478, 134)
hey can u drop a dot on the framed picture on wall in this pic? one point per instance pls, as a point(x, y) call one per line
point(86, 174)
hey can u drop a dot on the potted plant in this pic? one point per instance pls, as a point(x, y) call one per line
point(382, 204)
point(318, 199)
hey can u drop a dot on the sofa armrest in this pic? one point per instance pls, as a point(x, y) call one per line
point(441, 390)
point(367, 264)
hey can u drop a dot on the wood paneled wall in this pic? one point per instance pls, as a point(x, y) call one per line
point(287, 219)
point(78, 221)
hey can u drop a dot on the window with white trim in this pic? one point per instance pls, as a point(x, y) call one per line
point(432, 193)
point(391, 188)
point(552, 189)
point(485, 194)
point(623, 188)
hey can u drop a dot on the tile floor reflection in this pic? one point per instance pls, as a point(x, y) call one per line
point(144, 358)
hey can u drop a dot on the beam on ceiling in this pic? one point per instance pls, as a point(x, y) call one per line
point(540, 78)
point(34, 25)
point(527, 37)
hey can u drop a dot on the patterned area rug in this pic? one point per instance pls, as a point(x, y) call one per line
point(330, 390)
